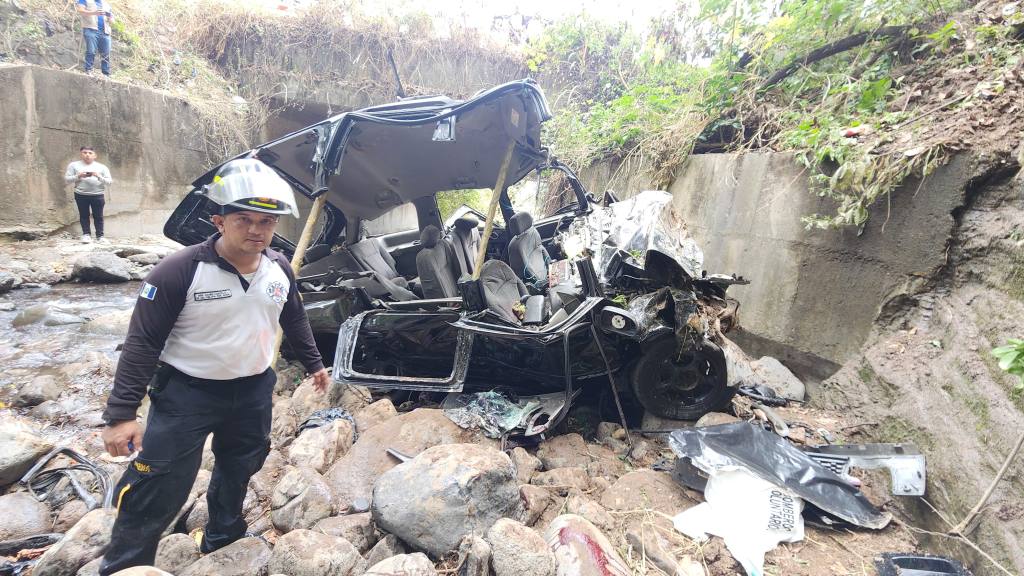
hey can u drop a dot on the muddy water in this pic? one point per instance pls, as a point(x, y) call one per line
point(70, 332)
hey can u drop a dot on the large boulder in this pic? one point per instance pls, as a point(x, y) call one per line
point(404, 565)
point(445, 493)
point(20, 448)
point(300, 500)
point(22, 516)
point(244, 557)
point(354, 474)
point(176, 552)
point(84, 542)
point(264, 481)
point(37, 390)
point(516, 549)
point(103, 267)
point(356, 528)
point(319, 447)
point(309, 553)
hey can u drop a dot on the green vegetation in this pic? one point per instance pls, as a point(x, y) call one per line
point(1011, 360)
point(741, 74)
point(448, 202)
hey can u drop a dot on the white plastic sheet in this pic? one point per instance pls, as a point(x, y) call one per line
point(750, 514)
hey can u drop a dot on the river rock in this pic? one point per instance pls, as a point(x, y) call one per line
point(46, 315)
point(144, 258)
point(263, 482)
point(647, 489)
point(444, 493)
point(102, 267)
point(592, 511)
point(7, 307)
point(176, 552)
point(353, 475)
point(69, 515)
point(516, 549)
point(142, 571)
point(300, 500)
point(380, 411)
point(387, 547)
point(739, 366)
point(714, 419)
point(47, 411)
point(319, 447)
point(563, 480)
point(404, 565)
point(244, 557)
point(565, 451)
point(22, 516)
point(356, 528)
point(20, 447)
point(526, 464)
point(8, 281)
point(84, 542)
point(283, 423)
point(309, 553)
point(37, 390)
point(474, 556)
point(111, 323)
point(198, 516)
point(91, 568)
point(535, 501)
point(776, 376)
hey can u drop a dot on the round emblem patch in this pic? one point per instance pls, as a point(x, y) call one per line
point(277, 292)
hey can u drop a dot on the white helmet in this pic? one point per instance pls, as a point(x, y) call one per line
point(248, 184)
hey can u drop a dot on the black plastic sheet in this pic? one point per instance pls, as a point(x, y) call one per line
point(766, 455)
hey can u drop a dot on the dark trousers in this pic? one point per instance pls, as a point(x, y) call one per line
point(87, 203)
point(157, 483)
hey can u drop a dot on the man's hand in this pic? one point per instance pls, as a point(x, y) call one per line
point(84, 175)
point(321, 380)
point(117, 437)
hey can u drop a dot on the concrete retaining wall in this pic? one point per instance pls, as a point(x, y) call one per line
point(149, 140)
point(813, 294)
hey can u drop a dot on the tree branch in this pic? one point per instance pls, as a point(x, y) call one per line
point(832, 49)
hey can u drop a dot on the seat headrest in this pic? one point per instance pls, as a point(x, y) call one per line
point(467, 222)
point(521, 222)
point(430, 236)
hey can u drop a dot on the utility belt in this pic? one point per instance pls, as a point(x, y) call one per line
point(164, 372)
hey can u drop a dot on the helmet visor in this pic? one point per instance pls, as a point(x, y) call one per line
point(252, 186)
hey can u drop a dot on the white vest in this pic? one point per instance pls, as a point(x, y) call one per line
point(224, 332)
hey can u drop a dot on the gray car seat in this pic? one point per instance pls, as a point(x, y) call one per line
point(502, 289)
point(437, 265)
point(526, 253)
point(466, 240)
point(371, 255)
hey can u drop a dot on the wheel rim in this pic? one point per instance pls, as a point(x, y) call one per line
point(683, 378)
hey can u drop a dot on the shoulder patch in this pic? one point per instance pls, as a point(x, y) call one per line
point(148, 291)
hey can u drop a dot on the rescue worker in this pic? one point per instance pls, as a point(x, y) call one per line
point(202, 337)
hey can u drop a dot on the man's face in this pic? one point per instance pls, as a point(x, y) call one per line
point(87, 156)
point(247, 231)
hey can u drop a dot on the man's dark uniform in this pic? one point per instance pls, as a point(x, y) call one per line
point(201, 338)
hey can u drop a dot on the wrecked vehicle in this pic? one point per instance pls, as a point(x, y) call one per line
point(604, 302)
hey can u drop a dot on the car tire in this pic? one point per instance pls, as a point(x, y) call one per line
point(682, 386)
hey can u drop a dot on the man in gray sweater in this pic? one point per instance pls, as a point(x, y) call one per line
point(91, 180)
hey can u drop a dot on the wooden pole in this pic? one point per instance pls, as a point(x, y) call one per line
point(300, 253)
point(495, 195)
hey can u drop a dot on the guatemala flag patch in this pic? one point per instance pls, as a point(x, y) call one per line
point(148, 291)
